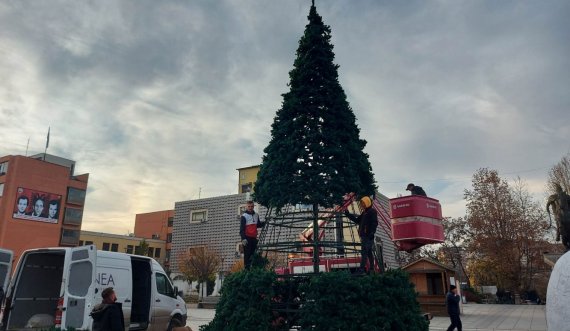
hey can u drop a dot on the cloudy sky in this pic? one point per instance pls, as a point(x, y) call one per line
point(161, 101)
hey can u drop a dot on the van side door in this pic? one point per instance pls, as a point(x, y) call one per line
point(163, 304)
point(79, 272)
point(5, 270)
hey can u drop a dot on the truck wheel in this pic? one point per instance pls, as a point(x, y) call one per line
point(174, 323)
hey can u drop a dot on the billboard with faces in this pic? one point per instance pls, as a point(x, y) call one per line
point(37, 206)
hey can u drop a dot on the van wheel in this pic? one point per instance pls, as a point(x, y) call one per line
point(174, 323)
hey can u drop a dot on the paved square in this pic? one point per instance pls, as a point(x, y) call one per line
point(497, 318)
point(480, 317)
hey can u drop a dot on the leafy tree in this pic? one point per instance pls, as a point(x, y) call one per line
point(199, 263)
point(504, 224)
point(237, 266)
point(142, 248)
point(560, 174)
point(315, 155)
point(452, 251)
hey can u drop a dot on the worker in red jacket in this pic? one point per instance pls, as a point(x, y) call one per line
point(367, 224)
point(249, 223)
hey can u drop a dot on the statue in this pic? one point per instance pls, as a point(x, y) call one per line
point(560, 203)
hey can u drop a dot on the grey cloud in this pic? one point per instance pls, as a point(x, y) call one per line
point(164, 98)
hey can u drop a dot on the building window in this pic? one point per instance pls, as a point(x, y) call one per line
point(150, 252)
point(246, 187)
point(170, 221)
point(80, 242)
point(114, 247)
point(88, 242)
point(3, 168)
point(106, 246)
point(1, 189)
point(434, 284)
point(73, 216)
point(157, 252)
point(155, 236)
point(198, 216)
point(130, 249)
point(167, 255)
point(69, 237)
point(75, 196)
point(169, 238)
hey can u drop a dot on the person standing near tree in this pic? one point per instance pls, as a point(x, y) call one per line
point(249, 223)
point(367, 224)
point(452, 302)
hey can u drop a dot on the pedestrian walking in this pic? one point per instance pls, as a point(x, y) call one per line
point(452, 302)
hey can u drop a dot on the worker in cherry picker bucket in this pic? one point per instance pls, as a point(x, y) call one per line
point(416, 190)
point(367, 224)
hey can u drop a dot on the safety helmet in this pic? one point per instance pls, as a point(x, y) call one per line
point(366, 201)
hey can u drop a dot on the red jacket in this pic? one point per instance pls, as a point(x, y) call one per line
point(249, 224)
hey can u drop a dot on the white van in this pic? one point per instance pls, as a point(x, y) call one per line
point(5, 269)
point(63, 284)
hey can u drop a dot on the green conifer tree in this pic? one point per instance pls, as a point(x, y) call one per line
point(315, 155)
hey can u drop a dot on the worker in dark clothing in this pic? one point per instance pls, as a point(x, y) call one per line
point(367, 224)
point(416, 190)
point(452, 302)
point(108, 315)
point(249, 223)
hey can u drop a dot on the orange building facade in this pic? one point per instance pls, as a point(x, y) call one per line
point(156, 225)
point(41, 202)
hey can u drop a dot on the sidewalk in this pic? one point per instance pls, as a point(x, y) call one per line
point(497, 318)
point(480, 317)
point(198, 317)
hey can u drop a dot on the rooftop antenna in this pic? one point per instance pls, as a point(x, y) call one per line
point(47, 143)
point(27, 145)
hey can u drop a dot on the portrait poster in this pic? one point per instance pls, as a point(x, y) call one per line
point(37, 206)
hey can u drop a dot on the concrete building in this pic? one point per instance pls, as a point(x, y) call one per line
point(124, 244)
point(390, 253)
point(41, 202)
point(156, 225)
point(210, 221)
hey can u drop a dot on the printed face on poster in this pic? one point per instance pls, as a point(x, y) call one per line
point(37, 206)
